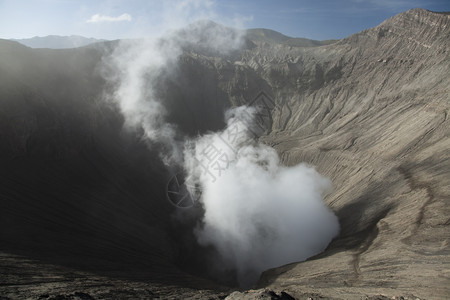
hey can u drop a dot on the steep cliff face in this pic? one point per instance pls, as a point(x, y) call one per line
point(378, 126)
point(369, 111)
point(69, 188)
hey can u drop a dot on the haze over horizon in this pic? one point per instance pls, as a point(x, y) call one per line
point(119, 19)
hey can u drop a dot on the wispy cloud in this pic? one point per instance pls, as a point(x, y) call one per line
point(97, 18)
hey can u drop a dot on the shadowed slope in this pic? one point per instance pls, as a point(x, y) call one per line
point(77, 189)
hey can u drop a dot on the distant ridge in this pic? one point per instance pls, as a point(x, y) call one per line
point(268, 35)
point(57, 42)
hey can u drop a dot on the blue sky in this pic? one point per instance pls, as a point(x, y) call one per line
point(113, 19)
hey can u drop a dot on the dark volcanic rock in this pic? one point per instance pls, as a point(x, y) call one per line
point(82, 203)
point(259, 294)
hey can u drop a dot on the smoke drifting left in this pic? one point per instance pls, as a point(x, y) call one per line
point(251, 204)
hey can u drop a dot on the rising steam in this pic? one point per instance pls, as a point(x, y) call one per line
point(138, 64)
point(258, 214)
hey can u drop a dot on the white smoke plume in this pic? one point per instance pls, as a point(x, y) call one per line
point(136, 65)
point(258, 213)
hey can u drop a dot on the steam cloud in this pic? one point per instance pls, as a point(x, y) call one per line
point(136, 65)
point(258, 214)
